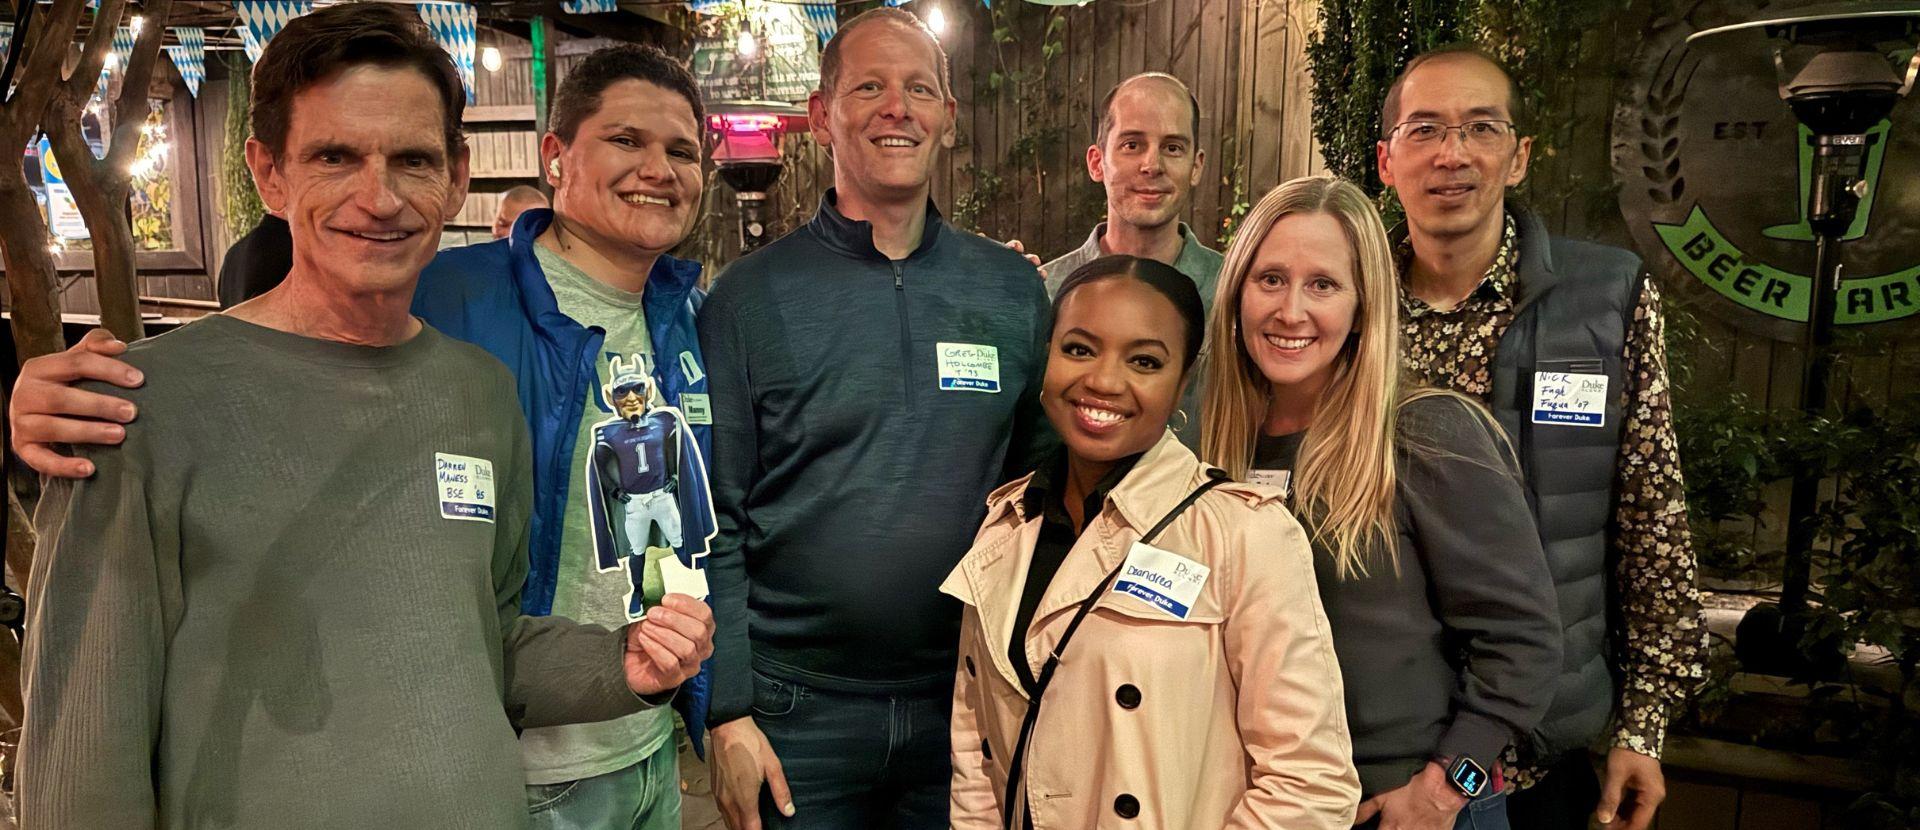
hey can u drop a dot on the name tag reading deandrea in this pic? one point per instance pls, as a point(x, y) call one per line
point(1570, 398)
point(1162, 579)
point(968, 367)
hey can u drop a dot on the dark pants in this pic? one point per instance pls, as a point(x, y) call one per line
point(1488, 812)
point(1563, 800)
point(866, 761)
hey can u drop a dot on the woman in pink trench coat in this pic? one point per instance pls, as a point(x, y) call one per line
point(1227, 715)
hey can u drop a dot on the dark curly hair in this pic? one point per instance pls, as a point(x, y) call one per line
point(579, 95)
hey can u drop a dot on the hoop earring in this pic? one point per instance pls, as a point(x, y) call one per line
point(1183, 420)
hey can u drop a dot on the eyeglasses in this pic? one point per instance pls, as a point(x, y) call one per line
point(1479, 135)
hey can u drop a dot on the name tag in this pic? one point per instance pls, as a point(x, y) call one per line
point(695, 406)
point(1164, 580)
point(967, 367)
point(466, 487)
point(1569, 398)
point(1280, 479)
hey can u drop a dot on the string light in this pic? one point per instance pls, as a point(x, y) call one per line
point(490, 58)
point(937, 21)
point(746, 44)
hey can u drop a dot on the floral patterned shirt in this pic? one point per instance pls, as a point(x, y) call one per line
point(1659, 642)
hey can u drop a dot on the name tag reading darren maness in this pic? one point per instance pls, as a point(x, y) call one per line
point(967, 367)
point(465, 485)
point(1570, 399)
point(1162, 579)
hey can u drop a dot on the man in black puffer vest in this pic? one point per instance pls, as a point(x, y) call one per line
point(1563, 340)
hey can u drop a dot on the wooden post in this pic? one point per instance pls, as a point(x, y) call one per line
point(544, 86)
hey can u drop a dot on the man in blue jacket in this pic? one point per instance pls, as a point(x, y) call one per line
point(568, 291)
point(870, 374)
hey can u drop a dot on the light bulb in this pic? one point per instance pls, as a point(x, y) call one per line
point(937, 21)
point(747, 45)
point(112, 62)
point(490, 58)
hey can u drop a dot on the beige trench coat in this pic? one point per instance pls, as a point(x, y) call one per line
point(1232, 717)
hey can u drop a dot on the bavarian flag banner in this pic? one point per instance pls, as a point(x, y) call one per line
point(825, 21)
point(452, 27)
point(589, 6)
point(260, 20)
point(190, 56)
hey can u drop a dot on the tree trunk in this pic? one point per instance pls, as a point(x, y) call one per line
point(31, 276)
point(100, 192)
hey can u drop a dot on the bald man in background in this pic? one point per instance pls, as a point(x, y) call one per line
point(514, 202)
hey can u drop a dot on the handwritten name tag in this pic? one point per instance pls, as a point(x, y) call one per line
point(465, 484)
point(967, 367)
point(1570, 398)
point(1164, 580)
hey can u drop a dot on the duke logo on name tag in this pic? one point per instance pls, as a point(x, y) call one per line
point(968, 367)
point(465, 484)
point(697, 407)
point(1570, 398)
point(1162, 579)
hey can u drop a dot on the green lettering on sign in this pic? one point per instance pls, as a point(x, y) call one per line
point(1709, 257)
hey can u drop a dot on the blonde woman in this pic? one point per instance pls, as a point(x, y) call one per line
point(1141, 644)
point(1425, 552)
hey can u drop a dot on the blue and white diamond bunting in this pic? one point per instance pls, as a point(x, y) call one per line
point(825, 21)
point(589, 6)
point(260, 20)
point(451, 25)
point(190, 56)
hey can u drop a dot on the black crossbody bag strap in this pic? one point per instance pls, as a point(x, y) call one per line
point(1015, 768)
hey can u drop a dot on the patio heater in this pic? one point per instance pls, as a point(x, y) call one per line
point(746, 149)
point(1845, 87)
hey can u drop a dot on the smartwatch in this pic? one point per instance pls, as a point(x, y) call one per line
point(1467, 776)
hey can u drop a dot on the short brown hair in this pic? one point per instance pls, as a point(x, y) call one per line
point(830, 54)
point(315, 46)
point(1103, 123)
point(579, 95)
point(1390, 108)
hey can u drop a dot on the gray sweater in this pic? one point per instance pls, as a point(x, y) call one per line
point(855, 438)
point(290, 599)
point(1457, 654)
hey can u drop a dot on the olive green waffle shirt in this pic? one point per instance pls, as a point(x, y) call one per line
point(291, 598)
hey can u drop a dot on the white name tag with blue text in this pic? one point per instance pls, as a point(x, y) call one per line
point(968, 367)
point(1162, 579)
point(1570, 398)
point(465, 484)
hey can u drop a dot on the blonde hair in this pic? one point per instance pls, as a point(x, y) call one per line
point(1344, 479)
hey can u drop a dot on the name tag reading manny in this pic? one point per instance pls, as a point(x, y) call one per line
point(466, 487)
point(1569, 398)
point(1162, 579)
point(967, 367)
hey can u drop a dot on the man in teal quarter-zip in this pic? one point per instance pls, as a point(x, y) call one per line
point(870, 373)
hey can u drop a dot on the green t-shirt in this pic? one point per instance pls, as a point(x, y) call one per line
point(582, 591)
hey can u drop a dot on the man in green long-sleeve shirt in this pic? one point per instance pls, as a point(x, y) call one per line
point(291, 598)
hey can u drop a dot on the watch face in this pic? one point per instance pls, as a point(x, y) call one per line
point(1468, 777)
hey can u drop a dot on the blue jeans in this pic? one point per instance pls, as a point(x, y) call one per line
point(853, 760)
point(1488, 812)
point(645, 796)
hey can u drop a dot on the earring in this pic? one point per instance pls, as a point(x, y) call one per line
point(553, 168)
point(1182, 426)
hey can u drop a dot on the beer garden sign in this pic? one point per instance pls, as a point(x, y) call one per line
point(1714, 172)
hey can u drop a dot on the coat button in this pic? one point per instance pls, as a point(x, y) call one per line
point(1128, 696)
point(1126, 806)
point(986, 750)
point(970, 672)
